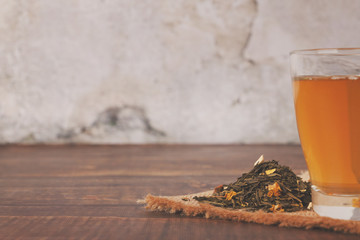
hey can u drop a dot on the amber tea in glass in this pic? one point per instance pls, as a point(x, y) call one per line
point(326, 85)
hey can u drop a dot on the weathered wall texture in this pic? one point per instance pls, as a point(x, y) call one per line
point(122, 71)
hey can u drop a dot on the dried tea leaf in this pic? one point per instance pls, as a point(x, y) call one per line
point(269, 186)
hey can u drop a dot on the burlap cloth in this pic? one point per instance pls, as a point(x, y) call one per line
point(302, 219)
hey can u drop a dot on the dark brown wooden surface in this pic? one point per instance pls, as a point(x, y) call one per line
point(90, 192)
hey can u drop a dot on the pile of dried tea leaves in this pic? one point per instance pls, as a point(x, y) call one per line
point(268, 186)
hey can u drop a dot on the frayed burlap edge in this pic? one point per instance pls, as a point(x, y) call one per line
point(185, 205)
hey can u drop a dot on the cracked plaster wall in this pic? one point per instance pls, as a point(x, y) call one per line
point(119, 71)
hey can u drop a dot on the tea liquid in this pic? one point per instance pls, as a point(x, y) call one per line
point(328, 119)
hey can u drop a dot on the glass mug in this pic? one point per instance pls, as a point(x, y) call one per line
point(326, 85)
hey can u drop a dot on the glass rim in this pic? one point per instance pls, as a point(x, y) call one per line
point(327, 52)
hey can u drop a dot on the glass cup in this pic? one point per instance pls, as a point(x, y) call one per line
point(326, 85)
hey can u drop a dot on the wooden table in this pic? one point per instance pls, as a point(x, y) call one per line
point(90, 192)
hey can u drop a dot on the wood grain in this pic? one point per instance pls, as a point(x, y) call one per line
point(90, 192)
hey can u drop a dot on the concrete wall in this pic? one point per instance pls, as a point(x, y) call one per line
point(154, 71)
